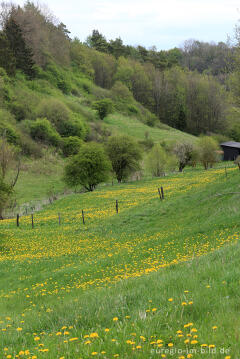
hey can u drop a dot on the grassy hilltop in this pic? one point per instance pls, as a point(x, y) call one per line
point(160, 275)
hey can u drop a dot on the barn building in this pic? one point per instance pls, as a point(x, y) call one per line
point(231, 150)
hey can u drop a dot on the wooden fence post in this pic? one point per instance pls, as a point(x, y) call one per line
point(162, 192)
point(17, 220)
point(59, 219)
point(32, 222)
point(160, 196)
point(83, 219)
point(117, 206)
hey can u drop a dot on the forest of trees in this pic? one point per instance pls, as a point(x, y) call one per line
point(194, 88)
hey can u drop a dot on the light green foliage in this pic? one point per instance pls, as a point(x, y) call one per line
point(71, 145)
point(54, 111)
point(121, 92)
point(8, 127)
point(88, 168)
point(208, 151)
point(158, 162)
point(43, 131)
point(183, 152)
point(5, 193)
point(104, 107)
point(80, 56)
point(237, 161)
point(125, 156)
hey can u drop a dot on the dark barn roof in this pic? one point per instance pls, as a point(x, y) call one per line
point(231, 150)
point(231, 144)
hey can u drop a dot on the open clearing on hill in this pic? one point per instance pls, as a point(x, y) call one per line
point(137, 129)
point(129, 284)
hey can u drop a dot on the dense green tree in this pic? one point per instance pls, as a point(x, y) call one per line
point(116, 47)
point(43, 131)
point(97, 41)
point(22, 53)
point(7, 58)
point(104, 107)
point(125, 156)
point(88, 168)
point(71, 145)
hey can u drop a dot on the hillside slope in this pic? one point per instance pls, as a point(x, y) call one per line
point(53, 300)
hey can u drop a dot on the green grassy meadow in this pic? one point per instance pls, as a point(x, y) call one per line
point(131, 126)
point(160, 279)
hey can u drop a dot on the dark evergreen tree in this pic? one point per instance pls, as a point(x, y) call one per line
point(22, 53)
point(97, 41)
point(7, 59)
point(181, 120)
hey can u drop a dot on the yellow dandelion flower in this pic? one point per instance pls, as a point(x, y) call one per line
point(115, 319)
point(194, 342)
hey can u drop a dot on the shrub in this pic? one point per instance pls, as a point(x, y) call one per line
point(120, 92)
point(208, 150)
point(5, 193)
point(103, 107)
point(133, 110)
point(19, 111)
point(183, 151)
point(237, 161)
point(88, 168)
point(42, 130)
point(125, 156)
point(7, 123)
point(54, 111)
point(158, 161)
point(30, 147)
point(71, 146)
point(73, 127)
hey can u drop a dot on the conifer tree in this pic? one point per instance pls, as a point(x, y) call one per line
point(23, 54)
point(7, 59)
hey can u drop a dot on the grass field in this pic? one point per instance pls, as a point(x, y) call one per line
point(159, 279)
point(131, 126)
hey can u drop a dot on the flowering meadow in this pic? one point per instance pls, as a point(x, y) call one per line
point(156, 280)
